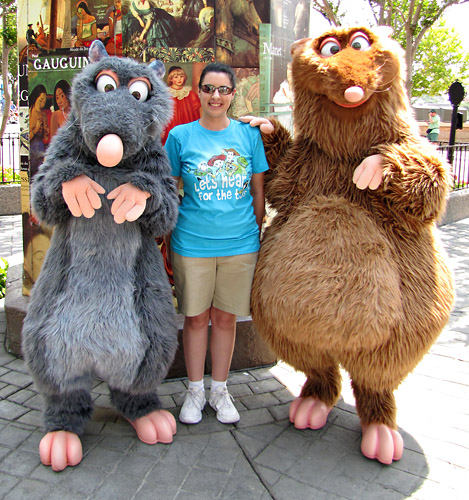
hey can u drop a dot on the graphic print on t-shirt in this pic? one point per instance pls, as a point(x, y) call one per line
point(222, 176)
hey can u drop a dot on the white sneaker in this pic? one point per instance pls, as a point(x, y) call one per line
point(191, 411)
point(222, 402)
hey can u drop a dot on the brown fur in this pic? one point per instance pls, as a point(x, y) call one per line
point(348, 276)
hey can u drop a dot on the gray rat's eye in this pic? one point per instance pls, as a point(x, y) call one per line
point(139, 89)
point(105, 83)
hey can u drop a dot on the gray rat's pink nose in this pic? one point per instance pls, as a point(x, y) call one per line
point(110, 150)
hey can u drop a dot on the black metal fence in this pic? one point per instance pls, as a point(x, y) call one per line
point(458, 157)
point(9, 158)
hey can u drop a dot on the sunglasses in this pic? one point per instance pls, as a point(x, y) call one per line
point(210, 89)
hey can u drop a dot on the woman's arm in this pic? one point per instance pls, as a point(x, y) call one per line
point(258, 201)
point(94, 31)
point(167, 236)
point(35, 123)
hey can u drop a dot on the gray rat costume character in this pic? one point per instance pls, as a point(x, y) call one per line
point(102, 306)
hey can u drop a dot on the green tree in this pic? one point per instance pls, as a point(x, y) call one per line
point(410, 20)
point(8, 41)
point(439, 61)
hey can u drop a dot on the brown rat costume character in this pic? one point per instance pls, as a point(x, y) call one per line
point(351, 272)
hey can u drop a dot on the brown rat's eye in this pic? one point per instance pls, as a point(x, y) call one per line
point(105, 83)
point(329, 47)
point(359, 41)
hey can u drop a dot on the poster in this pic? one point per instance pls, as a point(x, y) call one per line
point(168, 30)
point(184, 35)
point(49, 86)
point(237, 31)
point(289, 22)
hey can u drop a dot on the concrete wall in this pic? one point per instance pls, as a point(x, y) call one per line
point(10, 199)
point(462, 136)
point(457, 207)
point(445, 114)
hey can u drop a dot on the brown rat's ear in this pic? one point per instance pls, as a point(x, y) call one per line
point(383, 31)
point(97, 51)
point(298, 45)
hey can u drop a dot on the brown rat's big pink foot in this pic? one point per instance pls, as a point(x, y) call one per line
point(382, 443)
point(308, 413)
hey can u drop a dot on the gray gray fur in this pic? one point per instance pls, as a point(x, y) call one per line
point(102, 305)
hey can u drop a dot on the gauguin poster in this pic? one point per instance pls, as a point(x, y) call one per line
point(184, 35)
point(49, 103)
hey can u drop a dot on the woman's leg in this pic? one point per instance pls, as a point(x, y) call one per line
point(195, 339)
point(221, 348)
point(222, 342)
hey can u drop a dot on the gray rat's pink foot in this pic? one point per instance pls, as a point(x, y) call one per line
point(60, 449)
point(157, 427)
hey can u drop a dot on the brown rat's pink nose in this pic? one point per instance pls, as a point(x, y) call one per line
point(354, 94)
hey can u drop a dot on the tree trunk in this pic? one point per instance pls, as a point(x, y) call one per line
point(6, 91)
point(409, 60)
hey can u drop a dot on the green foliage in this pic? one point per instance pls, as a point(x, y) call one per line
point(458, 184)
point(3, 276)
point(10, 36)
point(9, 31)
point(408, 19)
point(439, 60)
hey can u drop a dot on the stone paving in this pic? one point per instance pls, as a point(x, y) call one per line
point(262, 457)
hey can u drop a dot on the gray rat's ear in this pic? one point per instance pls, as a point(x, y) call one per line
point(97, 51)
point(158, 67)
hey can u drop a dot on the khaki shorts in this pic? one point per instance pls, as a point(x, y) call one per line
point(221, 282)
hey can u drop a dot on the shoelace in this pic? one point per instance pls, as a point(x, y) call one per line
point(193, 399)
point(224, 397)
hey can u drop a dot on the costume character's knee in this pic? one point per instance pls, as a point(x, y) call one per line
point(375, 406)
point(133, 406)
point(324, 384)
point(67, 411)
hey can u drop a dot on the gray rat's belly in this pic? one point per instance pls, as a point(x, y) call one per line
point(97, 322)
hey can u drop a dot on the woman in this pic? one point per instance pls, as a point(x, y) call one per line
point(87, 30)
point(61, 106)
point(157, 26)
point(186, 101)
point(215, 243)
point(114, 42)
point(39, 132)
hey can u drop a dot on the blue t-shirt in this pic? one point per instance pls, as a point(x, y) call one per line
point(216, 216)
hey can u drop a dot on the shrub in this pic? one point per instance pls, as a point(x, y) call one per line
point(3, 276)
point(10, 176)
